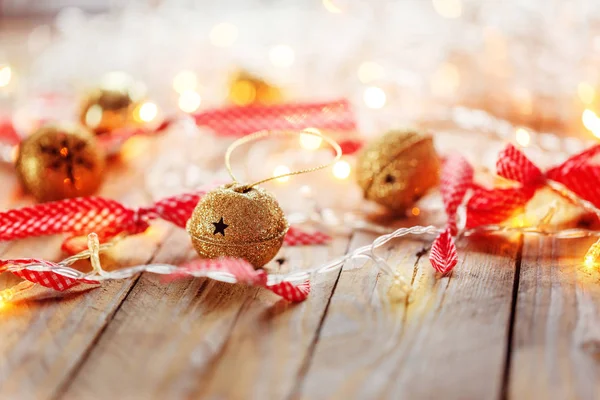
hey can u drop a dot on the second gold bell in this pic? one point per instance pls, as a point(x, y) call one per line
point(398, 168)
point(113, 105)
point(60, 161)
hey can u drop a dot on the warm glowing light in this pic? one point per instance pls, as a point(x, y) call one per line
point(370, 71)
point(223, 34)
point(331, 7)
point(448, 8)
point(520, 221)
point(93, 116)
point(242, 92)
point(523, 137)
point(185, 80)
point(374, 97)
point(592, 257)
point(445, 80)
point(341, 169)
point(586, 92)
point(310, 141)
point(281, 170)
point(415, 211)
point(147, 112)
point(5, 75)
point(189, 101)
point(591, 122)
point(282, 56)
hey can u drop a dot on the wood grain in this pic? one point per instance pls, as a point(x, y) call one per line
point(205, 339)
point(449, 341)
point(556, 346)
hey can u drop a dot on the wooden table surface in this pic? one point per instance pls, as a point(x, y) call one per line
point(517, 318)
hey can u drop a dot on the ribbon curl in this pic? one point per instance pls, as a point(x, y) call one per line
point(579, 175)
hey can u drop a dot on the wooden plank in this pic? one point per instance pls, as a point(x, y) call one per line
point(448, 342)
point(45, 340)
point(201, 338)
point(556, 346)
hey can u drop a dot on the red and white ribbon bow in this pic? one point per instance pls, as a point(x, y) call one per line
point(580, 174)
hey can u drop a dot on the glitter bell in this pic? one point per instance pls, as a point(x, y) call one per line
point(398, 168)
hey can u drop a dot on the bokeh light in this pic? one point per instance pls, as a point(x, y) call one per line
point(341, 169)
point(147, 112)
point(591, 122)
point(223, 34)
point(523, 137)
point(282, 56)
point(5, 75)
point(185, 80)
point(309, 141)
point(281, 170)
point(189, 101)
point(370, 71)
point(448, 8)
point(374, 97)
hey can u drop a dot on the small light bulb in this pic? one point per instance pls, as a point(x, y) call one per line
point(281, 170)
point(523, 137)
point(374, 97)
point(185, 80)
point(282, 56)
point(415, 211)
point(448, 8)
point(5, 75)
point(591, 122)
point(189, 101)
point(370, 71)
point(310, 141)
point(341, 169)
point(223, 34)
point(147, 112)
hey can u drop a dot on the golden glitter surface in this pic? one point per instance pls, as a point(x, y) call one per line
point(398, 168)
point(236, 221)
point(60, 161)
point(105, 110)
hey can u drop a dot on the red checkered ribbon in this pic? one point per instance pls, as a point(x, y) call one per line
point(238, 121)
point(54, 275)
point(243, 120)
point(244, 273)
point(42, 272)
point(456, 179)
point(107, 218)
point(579, 174)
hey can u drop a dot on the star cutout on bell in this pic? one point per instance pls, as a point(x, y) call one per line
point(220, 227)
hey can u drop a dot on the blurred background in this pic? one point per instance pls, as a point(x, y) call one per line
point(532, 62)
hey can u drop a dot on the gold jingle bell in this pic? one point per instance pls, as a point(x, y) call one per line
point(246, 89)
point(112, 105)
point(60, 161)
point(398, 168)
point(239, 221)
